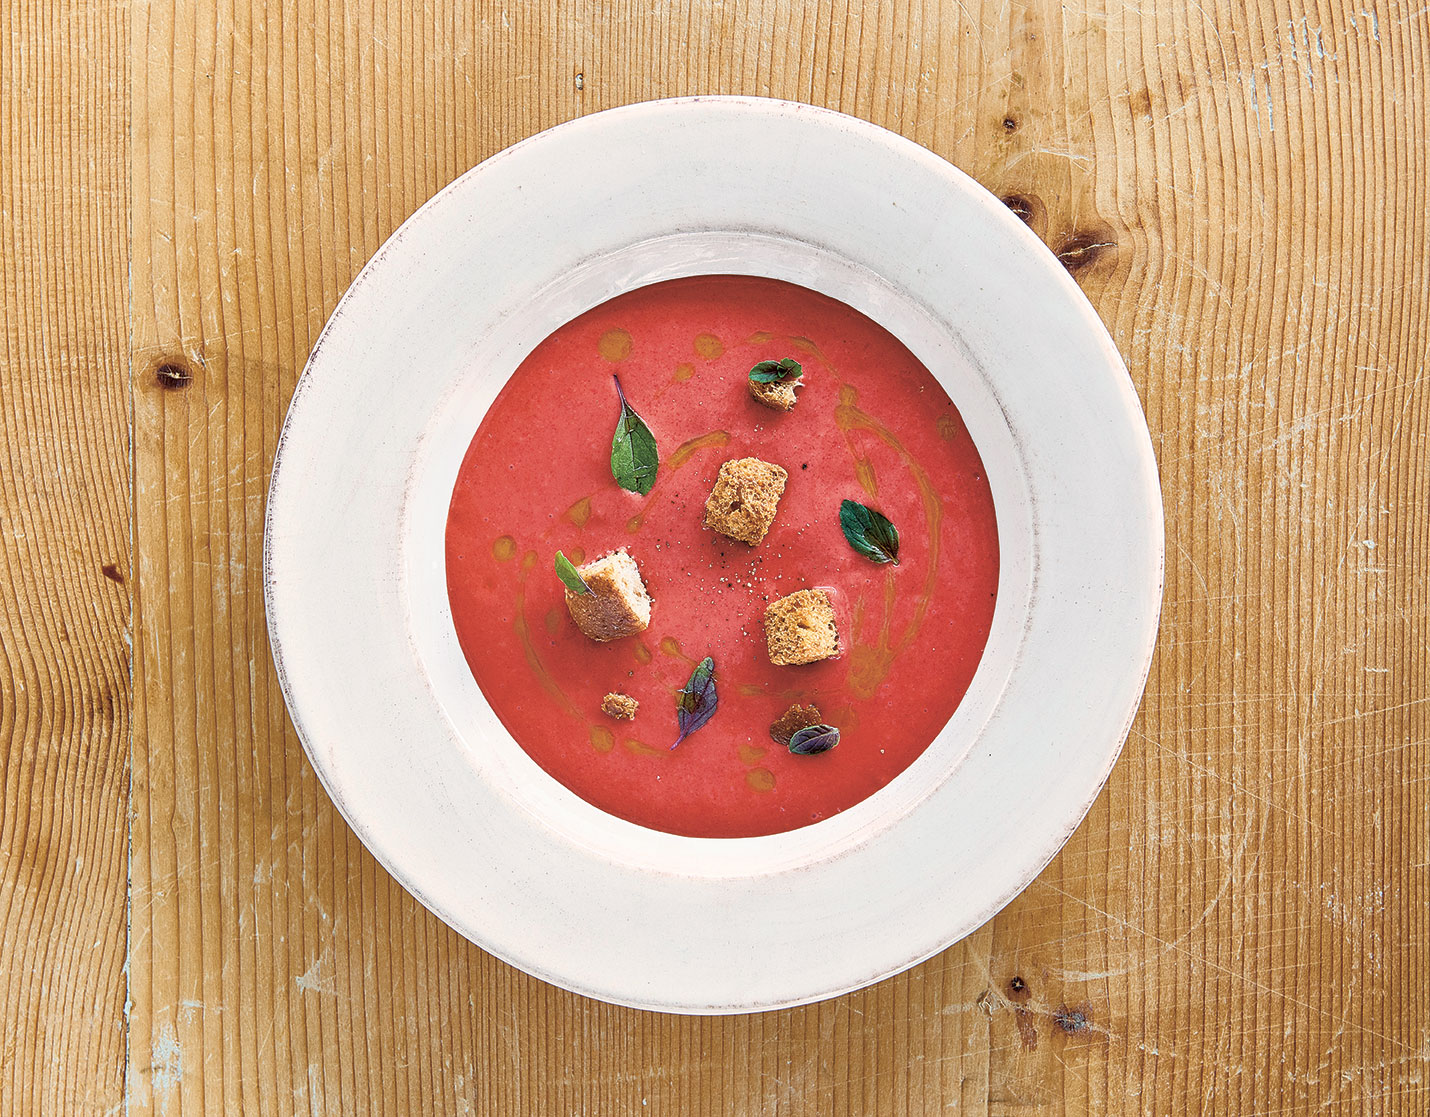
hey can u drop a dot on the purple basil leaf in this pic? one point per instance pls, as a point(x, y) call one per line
point(696, 702)
point(814, 739)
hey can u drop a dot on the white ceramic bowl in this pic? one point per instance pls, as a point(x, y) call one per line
point(362, 634)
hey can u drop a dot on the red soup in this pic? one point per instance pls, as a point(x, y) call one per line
point(871, 425)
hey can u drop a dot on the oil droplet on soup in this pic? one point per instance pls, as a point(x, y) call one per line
point(760, 779)
point(615, 345)
point(579, 512)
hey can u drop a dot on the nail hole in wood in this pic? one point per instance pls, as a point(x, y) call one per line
point(1072, 1020)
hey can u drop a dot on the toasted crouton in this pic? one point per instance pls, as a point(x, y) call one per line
point(778, 395)
point(800, 628)
point(617, 605)
point(622, 707)
point(745, 498)
point(792, 721)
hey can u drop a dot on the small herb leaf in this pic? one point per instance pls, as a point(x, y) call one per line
point(768, 372)
point(813, 740)
point(869, 532)
point(570, 575)
point(696, 702)
point(634, 457)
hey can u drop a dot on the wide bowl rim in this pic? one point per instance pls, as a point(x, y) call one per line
point(657, 114)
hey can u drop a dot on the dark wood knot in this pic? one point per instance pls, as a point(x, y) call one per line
point(173, 374)
point(1080, 250)
point(1027, 207)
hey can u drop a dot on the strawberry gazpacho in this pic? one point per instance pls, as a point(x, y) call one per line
point(722, 556)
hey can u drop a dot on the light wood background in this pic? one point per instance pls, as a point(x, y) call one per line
point(1240, 925)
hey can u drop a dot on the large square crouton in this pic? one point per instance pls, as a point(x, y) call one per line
point(800, 628)
point(745, 498)
point(617, 605)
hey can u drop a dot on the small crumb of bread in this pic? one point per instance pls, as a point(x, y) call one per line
point(622, 707)
point(745, 499)
point(800, 628)
point(794, 719)
point(778, 394)
point(617, 605)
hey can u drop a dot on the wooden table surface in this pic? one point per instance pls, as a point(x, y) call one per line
point(1239, 926)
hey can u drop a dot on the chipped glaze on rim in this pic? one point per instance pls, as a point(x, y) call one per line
point(399, 733)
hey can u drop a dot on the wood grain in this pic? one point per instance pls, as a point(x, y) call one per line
point(1239, 926)
point(64, 556)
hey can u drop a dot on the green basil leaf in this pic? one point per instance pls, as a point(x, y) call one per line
point(696, 702)
point(570, 575)
point(869, 532)
point(767, 372)
point(634, 457)
point(813, 740)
